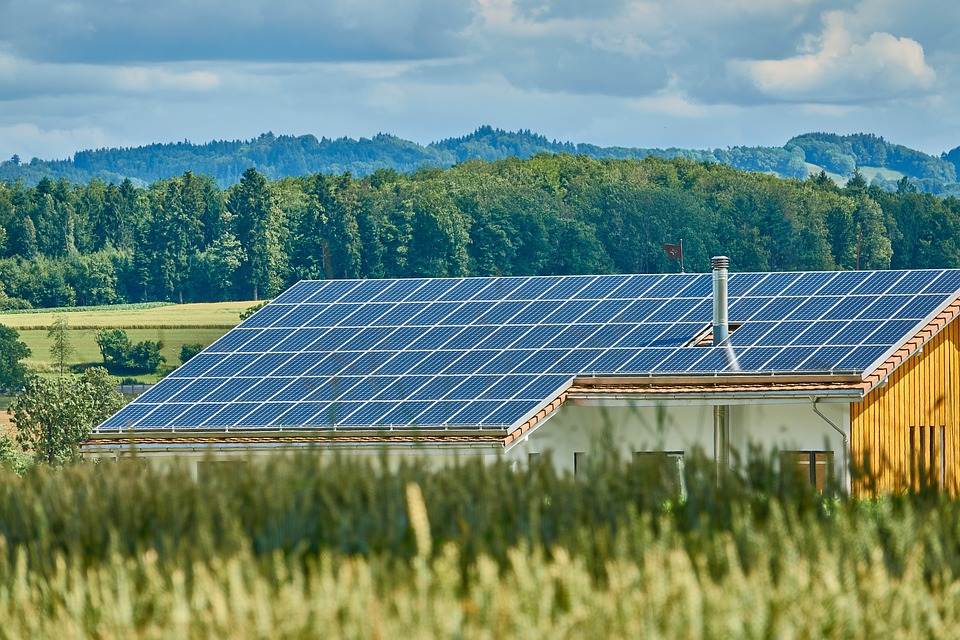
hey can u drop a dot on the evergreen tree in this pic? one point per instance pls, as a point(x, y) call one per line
point(258, 221)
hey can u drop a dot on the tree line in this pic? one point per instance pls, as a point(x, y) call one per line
point(186, 239)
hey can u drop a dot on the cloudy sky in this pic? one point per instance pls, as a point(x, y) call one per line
point(691, 73)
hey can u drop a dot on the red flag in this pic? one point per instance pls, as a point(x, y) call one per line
point(674, 251)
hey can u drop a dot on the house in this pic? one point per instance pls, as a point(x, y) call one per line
point(830, 368)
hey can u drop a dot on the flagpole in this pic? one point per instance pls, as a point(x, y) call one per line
point(681, 256)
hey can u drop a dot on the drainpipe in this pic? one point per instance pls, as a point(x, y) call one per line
point(721, 331)
point(844, 443)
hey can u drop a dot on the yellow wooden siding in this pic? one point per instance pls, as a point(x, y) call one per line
point(923, 392)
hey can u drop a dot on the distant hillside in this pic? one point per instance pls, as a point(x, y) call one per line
point(282, 156)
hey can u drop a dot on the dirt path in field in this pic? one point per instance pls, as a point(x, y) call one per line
point(5, 425)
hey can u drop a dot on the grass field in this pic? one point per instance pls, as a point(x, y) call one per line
point(311, 547)
point(174, 325)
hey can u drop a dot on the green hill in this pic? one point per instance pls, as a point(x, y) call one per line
point(284, 156)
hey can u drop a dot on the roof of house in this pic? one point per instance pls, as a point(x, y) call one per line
point(490, 355)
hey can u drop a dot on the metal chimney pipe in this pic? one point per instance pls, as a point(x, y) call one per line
point(721, 331)
point(721, 324)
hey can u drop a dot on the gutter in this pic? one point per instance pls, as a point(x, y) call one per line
point(844, 442)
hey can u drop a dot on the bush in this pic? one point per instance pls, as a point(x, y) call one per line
point(187, 351)
point(14, 304)
point(120, 356)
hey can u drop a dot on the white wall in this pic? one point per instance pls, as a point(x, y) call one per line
point(683, 427)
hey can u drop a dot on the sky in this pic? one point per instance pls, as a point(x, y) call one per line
point(684, 73)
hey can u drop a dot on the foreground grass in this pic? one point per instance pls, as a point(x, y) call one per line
point(338, 548)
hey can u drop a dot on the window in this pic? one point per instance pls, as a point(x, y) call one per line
point(815, 467)
point(928, 457)
point(579, 462)
point(664, 466)
point(533, 457)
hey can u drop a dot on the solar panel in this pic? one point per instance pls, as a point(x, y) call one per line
point(485, 352)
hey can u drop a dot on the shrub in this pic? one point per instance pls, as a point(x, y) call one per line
point(187, 351)
point(145, 356)
point(120, 356)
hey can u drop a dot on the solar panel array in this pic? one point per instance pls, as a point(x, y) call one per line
point(486, 352)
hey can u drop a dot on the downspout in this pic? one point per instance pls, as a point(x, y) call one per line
point(844, 443)
point(721, 331)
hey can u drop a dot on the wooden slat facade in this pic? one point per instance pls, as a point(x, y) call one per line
point(906, 430)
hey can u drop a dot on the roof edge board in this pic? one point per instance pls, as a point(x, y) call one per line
point(714, 379)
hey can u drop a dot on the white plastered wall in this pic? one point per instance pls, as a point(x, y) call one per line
point(683, 427)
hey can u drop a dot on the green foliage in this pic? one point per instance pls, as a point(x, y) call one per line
point(246, 313)
point(12, 458)
point(53, 417)
point(187, 351)
point(306, 547)
point(60, 347)
point(184, 239)
point(120, 356)
point(12, 372)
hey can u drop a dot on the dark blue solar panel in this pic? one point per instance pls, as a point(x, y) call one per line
point(921, 307)
point(601, 287)
point(808, 283)
point(680, 360)
point(859, 359)
point(471, 387)
point(301, 414)
point(232, 340)
point(855, 332)
point(646, 360)
point(198, 389)
point(825, 359)
point(404, 413)
point(509, 413)
point(230, 415)
point(299, 292)
point(500, 313)
point(332, 291)
point(196, 415)
point(541, 361)
point(789, 358)
point(819, 333)
point(576, 361)
point(401, 313)
point(300, 316)
point(879, 282)
point(884, 307)
point(434, 338)
point(298, 340)
point(635, 287)
point(741, 283)
point(471, 361)
point(744, 309)
point(400, 290)
point(503, 337)
point(774, 284)
point(229, 390)
point(267, 316)
point(384, 342)
point(532, 289)
point(572, 336)
point(164, 390)
point(471, 414)
point(891, 331)
point(542, 387)
point(162, 415)
point(264, 389)
point(947, 282)
point(813, 308)
point(506, 361)
point(264, 414)
point(366, 291)
point(844, 282)
point(127, 416)
point(611, 360)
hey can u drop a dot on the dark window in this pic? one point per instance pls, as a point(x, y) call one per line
point(664, 467)
point(815, 467)
point(927, 457)
point(579, 462)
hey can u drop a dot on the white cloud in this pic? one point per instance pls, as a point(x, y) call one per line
point(30, 141)
point(838, 67)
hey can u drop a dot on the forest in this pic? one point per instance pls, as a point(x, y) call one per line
point(280, 156)
point(187, 239)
